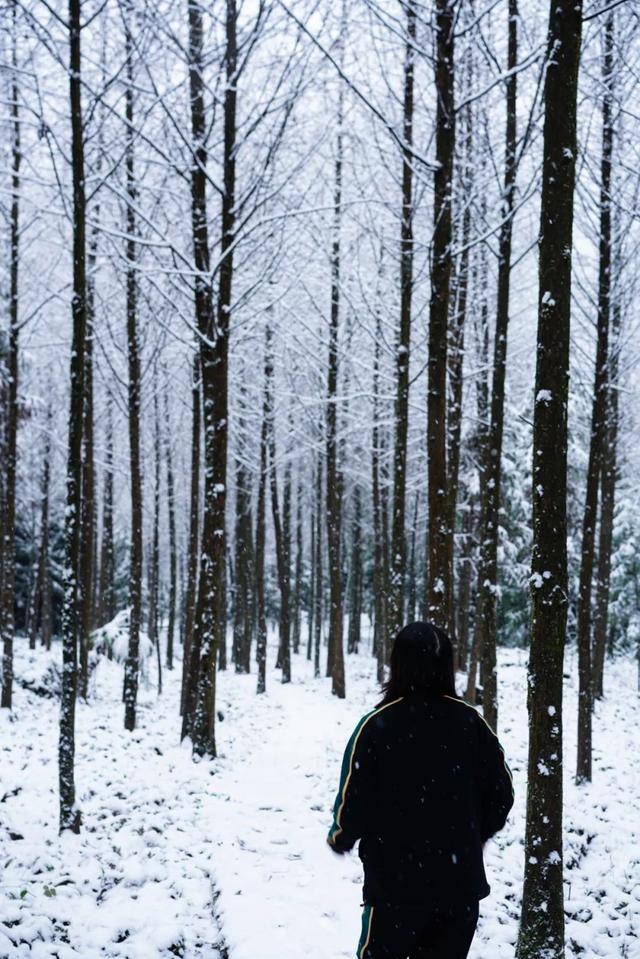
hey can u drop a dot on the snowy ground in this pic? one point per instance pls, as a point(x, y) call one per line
point(163, 835)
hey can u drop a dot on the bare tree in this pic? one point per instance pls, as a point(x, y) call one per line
point(542, 922)
point(439, 585)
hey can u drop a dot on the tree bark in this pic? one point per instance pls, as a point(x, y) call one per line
point(486, 608)
point(107, 603)
point(173, 547)
point(8, 545)
point(598, 427)
point(70, 817)
point(189, 674)
point(133, 350)
point(355, 573)
point(608, 477)
point(439, 584)
point(335, 663)
point(542, 920)
point(261, 507)
point(395, 610)
point(318, 573)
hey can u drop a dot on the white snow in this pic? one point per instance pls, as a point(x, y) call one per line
point(162, 836)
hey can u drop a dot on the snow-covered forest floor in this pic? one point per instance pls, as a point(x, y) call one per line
point(228, 858)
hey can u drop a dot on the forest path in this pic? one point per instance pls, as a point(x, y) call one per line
point(172, 850)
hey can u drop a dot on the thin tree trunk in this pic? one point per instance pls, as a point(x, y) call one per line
point(439, 532)
point(312, 579)
point(133, 351)
point(380, 639)
point(70, 817)
point(413, 573)
point(43, 611)
point(542, 919)
point(463, 605)
point(335, 663)
point(486, 624)
point(87, 520)
point(457, 321)
point(608, 487)
point(297, 590)
point(173, 548)
point(395, 608)
point(261, 508)
point(106, 604)
point(598, 427)
point(153, 573)
point(355, 572)
point(188, 674)
point(318, 592)
point(8, 517)
point(480, 444)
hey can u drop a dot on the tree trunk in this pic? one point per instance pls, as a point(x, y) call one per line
point(598, 428)
point(486, 624)
point(297, 590)
point(463, 605)
point(210, 620)
point(153, 574)
point(133, 350)
point(542, 921)
point(395, 610)
point(188, 673)
point(413, 573)
point(107, 603)
point(87, 520)
point(608, 477)
point(335, 663)
point(42, 616)
point(71, 608)
point(380, 552)
point(439, 532)
point(318, 575)
point(8, 545)
point(261, 506)
point(355, 572)
point(173, 549)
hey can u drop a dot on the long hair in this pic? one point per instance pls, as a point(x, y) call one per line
point(421, 660)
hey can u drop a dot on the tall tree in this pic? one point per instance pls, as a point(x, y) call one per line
point(598, 424)
point(439, 585)
point(261, 508)
point(134, 388)
point(42, 606)
point(395, 611)
point(242, 594)
point(8, 517)
point(70, 817)
point(191, 592)
point(107, 600)
point(171, 524)
point(335, 665)
point(608, 489)
point(542, 921)
point(381, 553)
point(486, 626)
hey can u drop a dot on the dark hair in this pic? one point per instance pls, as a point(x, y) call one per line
point(421, 659)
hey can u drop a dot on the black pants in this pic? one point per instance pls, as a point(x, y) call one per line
point(417, 932)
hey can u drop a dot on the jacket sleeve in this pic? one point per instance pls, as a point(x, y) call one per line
point(353, 802)
point(496, 783)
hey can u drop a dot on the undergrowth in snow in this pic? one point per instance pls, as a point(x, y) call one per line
point(228, 858)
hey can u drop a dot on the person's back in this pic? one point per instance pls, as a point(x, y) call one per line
point(423, 786)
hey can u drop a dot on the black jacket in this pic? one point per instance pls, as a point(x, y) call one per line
point(423, 785)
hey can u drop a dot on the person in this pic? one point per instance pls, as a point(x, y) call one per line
point(424, 785)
